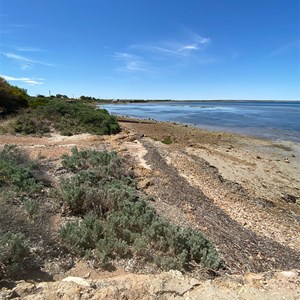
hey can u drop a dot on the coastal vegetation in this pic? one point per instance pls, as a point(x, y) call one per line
point(116, 221)
point(39, 115)
point(67, 118)
point(12, 98)
point(106, 217)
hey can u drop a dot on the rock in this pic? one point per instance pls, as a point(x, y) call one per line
point(143, 184)
point(194, 282)
point(254, 279)
point(77, 280)
point(288, 274)
point(286, 160)
point(24, 288)
point(289, 198)
point(176, 273)
point(8, 294)
point(177, 286)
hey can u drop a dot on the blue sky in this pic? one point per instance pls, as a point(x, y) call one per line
point(153, 49)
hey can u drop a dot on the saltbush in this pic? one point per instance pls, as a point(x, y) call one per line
point(13, 249)
point(110, 162)
point(129, 225)
point(18, 172)
point(82, 236)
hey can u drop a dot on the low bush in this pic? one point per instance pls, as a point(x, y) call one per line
point(40, 100)
point(31, 122)
point(167, 140)
point(98, 183)
point(31, 206)
point(129, 225)
point(67, 117)
point(13, 249)
point(82, 236)
point(109, 162)
point(18, 172)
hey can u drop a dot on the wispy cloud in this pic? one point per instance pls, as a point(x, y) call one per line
point(285, 48)
point(190, 46)
point(131, 62)
point(31, 81)
point(26, 62)
point(185, 48)
point(28, 49)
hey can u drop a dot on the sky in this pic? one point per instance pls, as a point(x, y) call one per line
point(153, 49)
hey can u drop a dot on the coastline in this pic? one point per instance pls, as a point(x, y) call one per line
point(262, 119)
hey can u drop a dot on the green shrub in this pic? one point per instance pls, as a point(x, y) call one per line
point(85, 192)
point(99, 183)
point(130, 226)
point(13, 250)
point(110, 162)
point(35, 102)
point(167, 140)
point(31, 123)
point(31, 206)
point(18, 172)
point(12, 98)
point(67, 117)
point(82, 236)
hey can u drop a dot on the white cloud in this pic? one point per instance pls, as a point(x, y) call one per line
point(28, 49)
point(131, 62)
point(31, 81)
point(190, 47)
point(24, 59)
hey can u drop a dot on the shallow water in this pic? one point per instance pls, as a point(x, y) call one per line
point(273, 120)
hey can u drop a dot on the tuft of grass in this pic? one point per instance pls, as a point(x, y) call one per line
point(167, 140)
point(31, 206)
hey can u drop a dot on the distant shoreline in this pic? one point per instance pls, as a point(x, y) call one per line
point(125, 101)
point(268, 119)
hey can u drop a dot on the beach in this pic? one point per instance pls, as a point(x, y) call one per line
point(242, 192)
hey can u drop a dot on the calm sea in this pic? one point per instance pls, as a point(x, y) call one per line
point(273, 120)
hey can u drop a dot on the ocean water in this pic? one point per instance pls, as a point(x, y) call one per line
point(278, 120)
